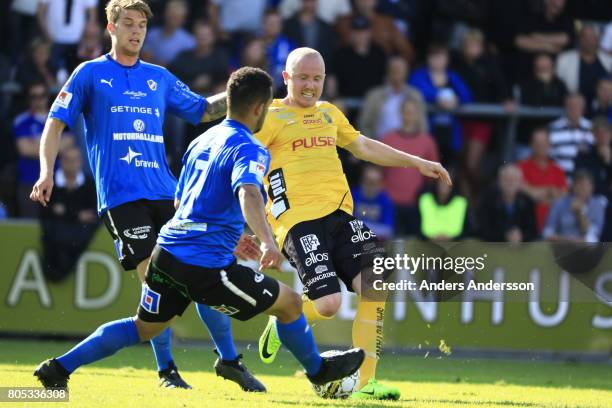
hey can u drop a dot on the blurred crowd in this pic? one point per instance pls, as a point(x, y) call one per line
point(405, 72)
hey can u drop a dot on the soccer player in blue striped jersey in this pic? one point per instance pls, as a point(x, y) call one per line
point(124, 102)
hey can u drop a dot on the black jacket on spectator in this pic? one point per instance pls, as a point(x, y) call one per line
point(601, 172)
point(64, 236)
point(485, 79)
point(357, 74)
point(495, 220)
point(187, 66)
point(537, 93)
point(324, 37)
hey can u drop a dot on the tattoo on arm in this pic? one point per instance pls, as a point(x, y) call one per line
point(216, 107)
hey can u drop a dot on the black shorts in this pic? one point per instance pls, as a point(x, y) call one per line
point(170, 285)
point(337, 246)
point(134, 226)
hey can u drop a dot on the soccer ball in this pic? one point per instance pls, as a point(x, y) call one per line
point(339, 389)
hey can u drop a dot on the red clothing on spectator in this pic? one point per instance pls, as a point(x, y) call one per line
point(403, 185)
point(549, 176)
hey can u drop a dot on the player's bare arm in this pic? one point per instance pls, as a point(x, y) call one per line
point(379, 153)
point(216, 107)
point(49, 147)
point(253, 210)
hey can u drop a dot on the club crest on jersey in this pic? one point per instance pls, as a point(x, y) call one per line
point(328, 118)
point(310, 243)
point(150, 299)
point(152, 85)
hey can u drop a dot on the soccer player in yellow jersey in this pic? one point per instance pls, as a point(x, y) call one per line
point(310, 208)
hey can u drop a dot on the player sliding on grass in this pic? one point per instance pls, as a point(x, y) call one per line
point(124, 102)
point(219, 188)
point(310, 209)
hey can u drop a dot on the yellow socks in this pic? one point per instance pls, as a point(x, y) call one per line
point(310, 312)
point(368, 335)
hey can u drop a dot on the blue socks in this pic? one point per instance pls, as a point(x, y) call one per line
point(297, 337)
point(161, 349)
point(105, 341)
point(220, 330)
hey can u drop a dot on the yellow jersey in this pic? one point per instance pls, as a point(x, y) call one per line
point(305, 180)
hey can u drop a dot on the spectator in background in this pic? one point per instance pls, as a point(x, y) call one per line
point(443, 214)
point(504, 213)
point(360, 66)
point(579, 216)
point(381, 110)
point(37, 66)
point(278, 47)
point(63, 23)
point(543, 181)
point(606, 39)
point(385, 33)
point(372, 204)
point(254, 54)
point(327, 11)
point(90, 46)
point(598, 160)
point(549, 30)
point(543, 87)
point(602, 105)
point(570, 134)
point(581, 69)
point(404, 184)
point(27, 130)
point(236, 20)
point(445, 90)
point(69, 221)
point(23, 25)
point(306, 29)
point(484, 78)
point(164, 43)
point(204, 66)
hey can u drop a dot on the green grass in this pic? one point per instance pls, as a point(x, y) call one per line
point(128, 379)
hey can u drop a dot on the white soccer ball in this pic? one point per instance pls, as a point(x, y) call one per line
point(339, 389)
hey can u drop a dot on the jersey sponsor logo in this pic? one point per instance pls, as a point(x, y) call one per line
point(312, 122)
point(152, 85)
point(321, 269)
point(135, 94)
point(310, 243)
point(313, 141)
point(134, 109)
point(277, 193)
point(183, 225)
point(132, 156)
point(63, 99)
point(145, 137)
point(356, 225)
point(150, 299)
point(141, 232)
point(226, 310)
point(314, 258)
point(107, 82)
point(362, 236)
point(139, 125)
point(320, 277)
point(257, 169)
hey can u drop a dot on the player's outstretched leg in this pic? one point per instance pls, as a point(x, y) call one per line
point(368, 335)
point(294, 332)
point(104, 342)
point(228, 365)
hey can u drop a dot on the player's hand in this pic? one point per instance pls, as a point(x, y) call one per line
point(247, 248)
point(41, 192)
point(270, 257)
point(434, 170)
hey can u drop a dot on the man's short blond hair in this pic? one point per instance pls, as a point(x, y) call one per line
point(114, 7)
point(298, 54)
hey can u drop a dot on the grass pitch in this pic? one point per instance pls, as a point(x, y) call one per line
point(128, 379)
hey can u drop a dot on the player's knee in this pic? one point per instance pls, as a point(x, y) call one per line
point(328, 306)
point(292, 307)
point(146, 331)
